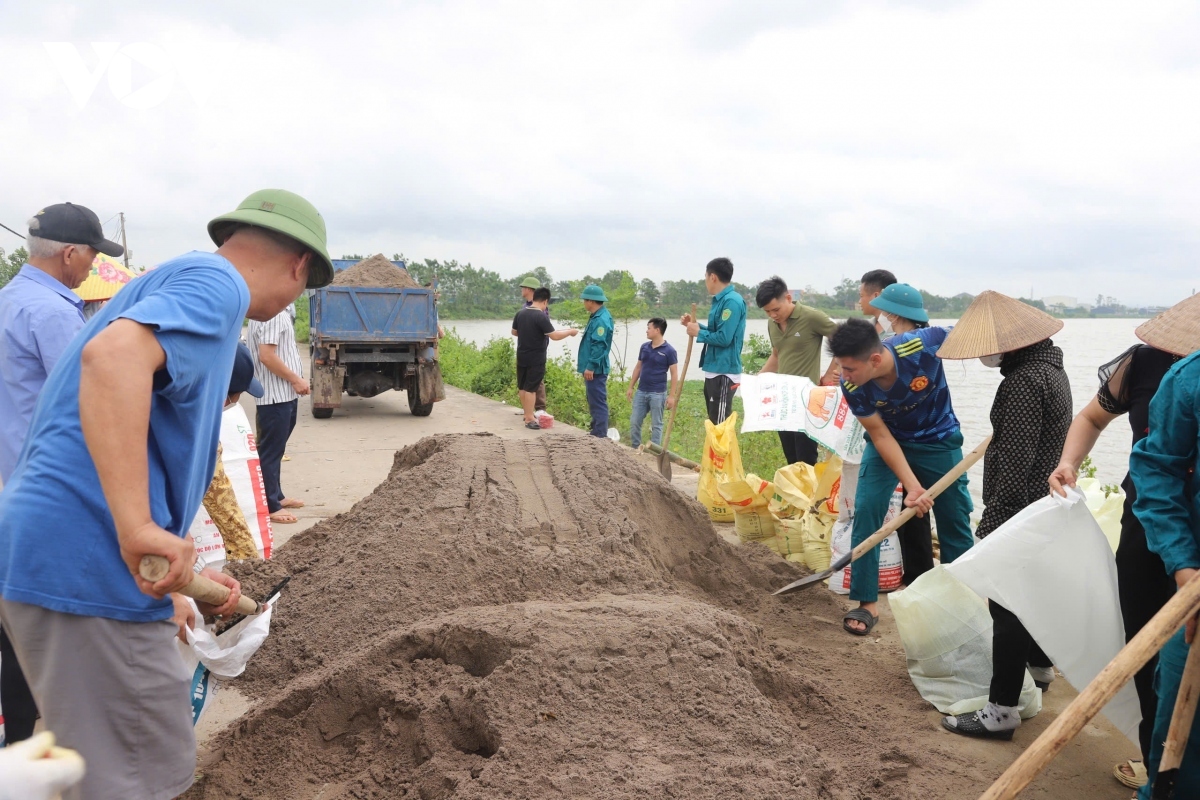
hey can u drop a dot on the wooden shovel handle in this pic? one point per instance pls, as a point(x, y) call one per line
point(933, 491)
point(679, 389)
point(200, 588)
point(1133, 656)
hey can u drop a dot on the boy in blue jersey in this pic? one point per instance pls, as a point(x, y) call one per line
point(897, 390)
point(121, 448)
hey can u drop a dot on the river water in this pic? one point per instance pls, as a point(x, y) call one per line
point(1086, 344)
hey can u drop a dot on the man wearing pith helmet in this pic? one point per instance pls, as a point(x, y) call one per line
point(593, 356)
point(122, 446)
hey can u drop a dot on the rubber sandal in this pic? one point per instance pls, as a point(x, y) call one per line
point(289, 503)
point(294, 519)
point(970, 725)
point(859, 615)
point(1139, 778)
point(533, 426)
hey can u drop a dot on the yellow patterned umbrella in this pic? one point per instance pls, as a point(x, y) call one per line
point(107, 278)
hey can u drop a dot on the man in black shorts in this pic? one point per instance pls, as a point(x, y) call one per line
point(533, 330)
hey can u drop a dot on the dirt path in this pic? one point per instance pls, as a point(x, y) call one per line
point(854, 701)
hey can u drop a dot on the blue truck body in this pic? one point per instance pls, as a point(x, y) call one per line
point(368, 339)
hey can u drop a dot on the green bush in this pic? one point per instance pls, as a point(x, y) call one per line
point(302, 318)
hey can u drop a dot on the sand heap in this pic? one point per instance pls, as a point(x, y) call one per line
point(545, 618)
point(376, 271)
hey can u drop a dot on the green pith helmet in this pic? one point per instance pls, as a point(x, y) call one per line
point(531, 283)
point(595, 293)
point(287, 213)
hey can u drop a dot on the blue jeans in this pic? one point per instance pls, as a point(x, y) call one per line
point(597, 397)
point(1166, 680)
point(655, 403)
point(276, 421)
point(877, 482)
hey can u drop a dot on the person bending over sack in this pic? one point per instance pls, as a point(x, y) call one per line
point(1030, 417)
point(897, 390)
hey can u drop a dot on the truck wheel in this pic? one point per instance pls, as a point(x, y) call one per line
point(322, 413)
point(414, 400)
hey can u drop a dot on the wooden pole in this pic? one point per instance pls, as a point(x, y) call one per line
point(1181, 728)
point(1096, 694)
point(124, 243)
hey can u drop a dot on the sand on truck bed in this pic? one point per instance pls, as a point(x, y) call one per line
point(376, 271)
point(550, 618)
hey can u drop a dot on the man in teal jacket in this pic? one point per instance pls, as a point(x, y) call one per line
point(722, 337)
point(593, 356)
point(1163, 467)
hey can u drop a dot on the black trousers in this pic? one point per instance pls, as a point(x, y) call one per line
point(275, 424)
point(916, 547)
point(1144, 588)
point(1012, 649)
point(797, 447)
point(718, 397)
point(16, 701)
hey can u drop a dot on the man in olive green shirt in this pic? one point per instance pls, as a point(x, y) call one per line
point(796, 333)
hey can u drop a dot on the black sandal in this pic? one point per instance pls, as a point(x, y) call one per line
point(859, 615)
point(533, 426)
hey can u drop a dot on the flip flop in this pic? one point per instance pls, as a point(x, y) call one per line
point(1139, 777)
point(533, 426)
point(289, 503)
point(285, 518)
point(859, 615)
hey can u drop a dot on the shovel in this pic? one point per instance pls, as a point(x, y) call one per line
point(887, 530)
point(200, 588)
point(664, 458)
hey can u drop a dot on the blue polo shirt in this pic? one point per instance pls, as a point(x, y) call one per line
point(656, 362)
point(39, 317)
point(58, 545)
point(917, 407)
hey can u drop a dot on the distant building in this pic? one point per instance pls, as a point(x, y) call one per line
point(1060, 302)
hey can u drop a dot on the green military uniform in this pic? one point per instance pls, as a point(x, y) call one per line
point(593, 355)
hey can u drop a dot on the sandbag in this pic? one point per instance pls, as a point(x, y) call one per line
point(789, 537)
point(240, 458)
point(720, 463)
point(891, 559)
point(1053, 568)
point(775, 402)
point(748, 498)
point(818, 538)
point(209, 659)
point(946, 631)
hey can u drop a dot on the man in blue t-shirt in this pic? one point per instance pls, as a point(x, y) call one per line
point(897, 390)
point(652, 394)
point(121, 448)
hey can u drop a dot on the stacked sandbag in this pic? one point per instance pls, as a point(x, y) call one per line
point(805, 508)
point(748, 499)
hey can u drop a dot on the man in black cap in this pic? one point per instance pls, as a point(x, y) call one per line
point(39, 316)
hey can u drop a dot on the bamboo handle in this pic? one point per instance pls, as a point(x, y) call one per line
point(1181, 725)
point(933, 491)
point(200, 588)
point(1133, 656)
point(679, 389)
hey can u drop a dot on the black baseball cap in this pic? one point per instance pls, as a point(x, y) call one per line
point(243, 379)
point(72, 224)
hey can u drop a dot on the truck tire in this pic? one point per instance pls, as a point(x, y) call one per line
point(414, 400)
point(322, 413)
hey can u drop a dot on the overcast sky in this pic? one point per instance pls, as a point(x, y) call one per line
point(1009, 145)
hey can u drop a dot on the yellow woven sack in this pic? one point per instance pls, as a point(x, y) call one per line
point(789, 533)
point(818, 531)
point(720, 463)
point(795, 486)
point(748, 499)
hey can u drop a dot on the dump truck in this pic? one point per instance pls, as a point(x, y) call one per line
point(366, 340)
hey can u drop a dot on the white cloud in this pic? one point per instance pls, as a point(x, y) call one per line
point(963, 145)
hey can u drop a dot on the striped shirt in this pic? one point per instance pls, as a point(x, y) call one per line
point(280, 331)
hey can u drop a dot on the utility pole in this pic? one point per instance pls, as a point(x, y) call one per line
point(124, 243)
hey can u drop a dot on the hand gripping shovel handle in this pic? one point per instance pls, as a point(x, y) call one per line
point(1181, 726)
point(887, 530)
point(664, 461)
point(200, 588)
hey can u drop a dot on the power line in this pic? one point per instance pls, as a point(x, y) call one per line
point(10, 230)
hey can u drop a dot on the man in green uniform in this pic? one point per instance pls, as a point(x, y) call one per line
point(796, 333)
point(593, 356)
point(722, 337)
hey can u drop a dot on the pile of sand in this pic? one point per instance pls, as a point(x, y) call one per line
point(548, 618)
point(376, 271)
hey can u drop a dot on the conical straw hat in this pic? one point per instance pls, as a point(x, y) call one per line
point(1176, 330)
point(996, 323)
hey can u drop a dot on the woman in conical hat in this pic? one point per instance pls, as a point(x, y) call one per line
point(1127, 384)
point(1030, 417)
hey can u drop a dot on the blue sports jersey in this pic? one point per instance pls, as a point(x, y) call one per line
point(917, 408)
